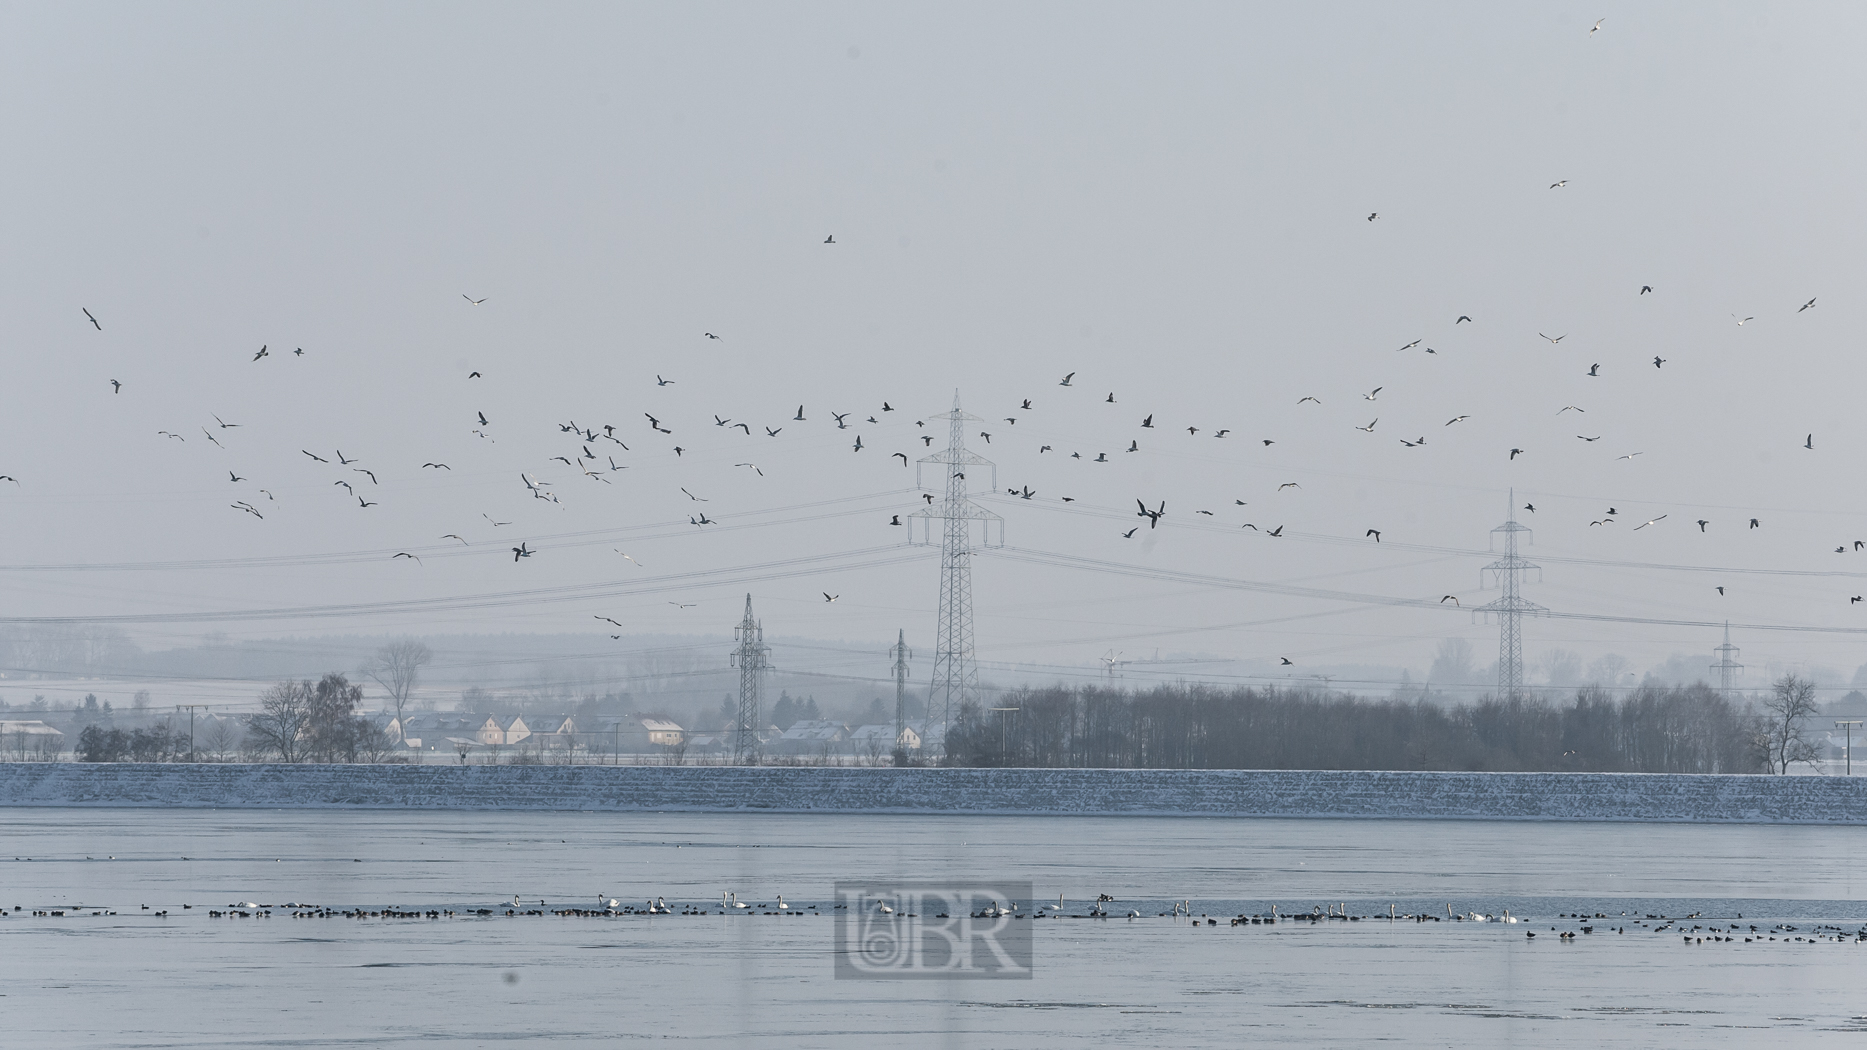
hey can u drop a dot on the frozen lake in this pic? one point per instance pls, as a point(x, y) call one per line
point(188, 979)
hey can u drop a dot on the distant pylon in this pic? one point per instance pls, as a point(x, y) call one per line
point(750, 658)
point(1510, 607)
point(1727, 665)
point(955, 677)
point(900, 669)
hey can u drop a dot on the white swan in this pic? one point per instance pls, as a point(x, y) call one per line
point(782, 906)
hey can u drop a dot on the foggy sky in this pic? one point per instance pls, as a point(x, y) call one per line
point(1170, 203)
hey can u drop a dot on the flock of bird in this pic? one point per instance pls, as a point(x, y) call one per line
point(596, 452)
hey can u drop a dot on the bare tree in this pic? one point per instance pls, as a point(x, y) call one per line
point(1787, 711)
point(219, 738)
point(396, 667)
point(283, 725)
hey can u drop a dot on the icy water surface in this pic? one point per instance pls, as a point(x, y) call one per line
point(752, 978)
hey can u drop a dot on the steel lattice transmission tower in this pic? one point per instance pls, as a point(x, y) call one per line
point(1727, 665)
point(751, 660)
point(901, 653)
point(955, 677)
point(1511, 606)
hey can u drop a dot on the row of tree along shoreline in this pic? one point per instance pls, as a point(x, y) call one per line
point(1653, 729)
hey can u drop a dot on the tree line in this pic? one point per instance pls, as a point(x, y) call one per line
point(1654, 729)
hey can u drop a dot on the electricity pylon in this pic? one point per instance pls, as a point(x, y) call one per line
point(1510, 607)
point(955, 677)
point(751, 660)
point(1727, 665)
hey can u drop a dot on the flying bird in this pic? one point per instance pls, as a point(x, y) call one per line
point(755, 469)
point(606, 619)
point(116, 387)
point(437, 466)
point(93, 320)
point(346, 486)
point(1130, 533)
point(1111, 397)
point(165, 433)
point(454, 536)
point(627, 558)
point(1809, 442)
point(1555, 339)
point(1456, 419)
point(1568, 408)
point(211, 437)
point(1515, 452)
point(1594, 370)
point(1740, 321)
point(471, 299)
point(1153, 516)
point(1288, 485)
point(405, 554)
point(693, 497)
point(237, 506)
point(1597, 437)
point(1597, 27)
point(1376, 533)
point(224, 426)
point(231, 476)
point(1286, 662)
point(1462, 319)
point(1449, 598)
point(262, 353)
point(522, 551)
point(1658, 360)
point(1308, 399)
point(1754, 523)
point(361, 470)
point(1373, 215)
point(1413, 344)
point(710, 335)
point(770, 433)
point(1702, 523)
point(1370, 427)
point(831, 239)
point(1370, 395)
point(828, 597)
point(489, 518)
point(839, 417)
point(904, 458)
point(1649, 521)
point(1531, 507)
point(1630, 455)
point(895, 520)
point(1721, 592)
point(1148, 423)
point(1558, 185)
point(1645, 288)
point(683, 605)
point(858, 445)
point(1067, 378)
point(1805, 306)
point(669, 382)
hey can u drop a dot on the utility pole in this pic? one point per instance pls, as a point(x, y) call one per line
point(751, 660)
point(1727, 665)
point(1849, 724)
point(1510, 607)
point(191, 710)
point(955, 677)
point(900, 669)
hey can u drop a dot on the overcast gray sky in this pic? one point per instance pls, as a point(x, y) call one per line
point(1169, 201)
